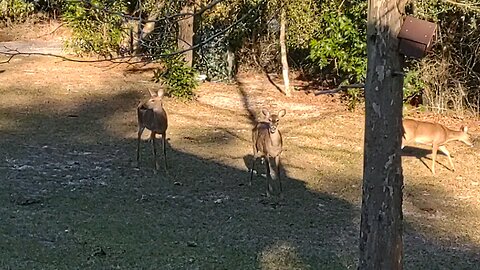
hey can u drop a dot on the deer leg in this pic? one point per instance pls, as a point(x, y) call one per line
point(154, 147)
point(277, 165)
point(252, 168)
point(434, 156)
point(140, 131)
point(164, 142)
point(445, 151)
point(268, 176)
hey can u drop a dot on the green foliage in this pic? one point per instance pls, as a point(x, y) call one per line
point(97, 27)
point(15, 10)
point(213, 56)
point(242, 39)
point(341, 41)
point(413, 85)
point(302, 23)
point(353, 97)
point(179, 78)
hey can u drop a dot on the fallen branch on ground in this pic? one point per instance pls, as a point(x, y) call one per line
point(338, 89)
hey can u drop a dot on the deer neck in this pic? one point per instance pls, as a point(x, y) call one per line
point(275, 138)
point(453, 135)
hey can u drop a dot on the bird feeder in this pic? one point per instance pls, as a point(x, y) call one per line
point(416, 37)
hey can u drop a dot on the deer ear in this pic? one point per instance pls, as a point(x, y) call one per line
point(282, 113)
point(160, 92)
point(152, 94)
point(265, 112)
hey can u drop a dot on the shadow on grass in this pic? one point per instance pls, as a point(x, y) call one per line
point(422, 153)
point(73, 198)
point(446, 240)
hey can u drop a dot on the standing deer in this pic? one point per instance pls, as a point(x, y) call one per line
point(267, 143)
point(433, 134)
point(152, 115)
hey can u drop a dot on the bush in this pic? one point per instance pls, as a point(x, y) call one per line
point(179, 79)
point(15, 10)
point(341, 44)
point(96, 26)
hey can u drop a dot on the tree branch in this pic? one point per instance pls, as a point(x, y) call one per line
point(182, 16)
point(471, 6)
point(340, 88)
point(11, 53)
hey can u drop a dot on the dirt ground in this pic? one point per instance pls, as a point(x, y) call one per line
point(73, 197)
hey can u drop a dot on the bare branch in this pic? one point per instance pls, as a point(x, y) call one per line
point(11, 53)
point(182, 16)
point(53, 31)
point(470, 6)
point(340, 88)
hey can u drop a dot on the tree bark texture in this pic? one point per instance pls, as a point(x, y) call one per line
point(283, 51)
point(148, 27)
point(185, 33)
point(381, 229)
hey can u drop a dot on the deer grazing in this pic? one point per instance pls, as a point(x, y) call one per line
point(152, 115)
point(433, 134)
point(267, 144)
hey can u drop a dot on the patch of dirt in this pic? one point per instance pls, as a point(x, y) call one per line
point(42, 31)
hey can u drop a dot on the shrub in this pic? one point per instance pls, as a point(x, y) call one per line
point(96, 26)
point(341, 44)
point(15, 10)
point(413, 85)
point(179, 79)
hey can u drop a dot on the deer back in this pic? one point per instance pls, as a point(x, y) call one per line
point(432, 133)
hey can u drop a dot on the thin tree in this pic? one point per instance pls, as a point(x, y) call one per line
point(381, 229)
point(283, 50)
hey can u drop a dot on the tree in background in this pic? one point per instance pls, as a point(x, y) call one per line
point(283, 50)
point(186, 32)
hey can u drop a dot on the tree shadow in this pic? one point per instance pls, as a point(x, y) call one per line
point(252, 116)
point(272, 82)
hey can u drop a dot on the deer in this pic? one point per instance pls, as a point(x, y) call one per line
point(152, 115)
point(267, 144)
point(433, 134)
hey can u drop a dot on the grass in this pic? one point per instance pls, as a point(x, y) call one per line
point(73, 198)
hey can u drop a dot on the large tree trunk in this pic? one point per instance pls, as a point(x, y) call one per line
point(283, 51)
point(148, 27)
point(381, 229)
point(185, 33)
